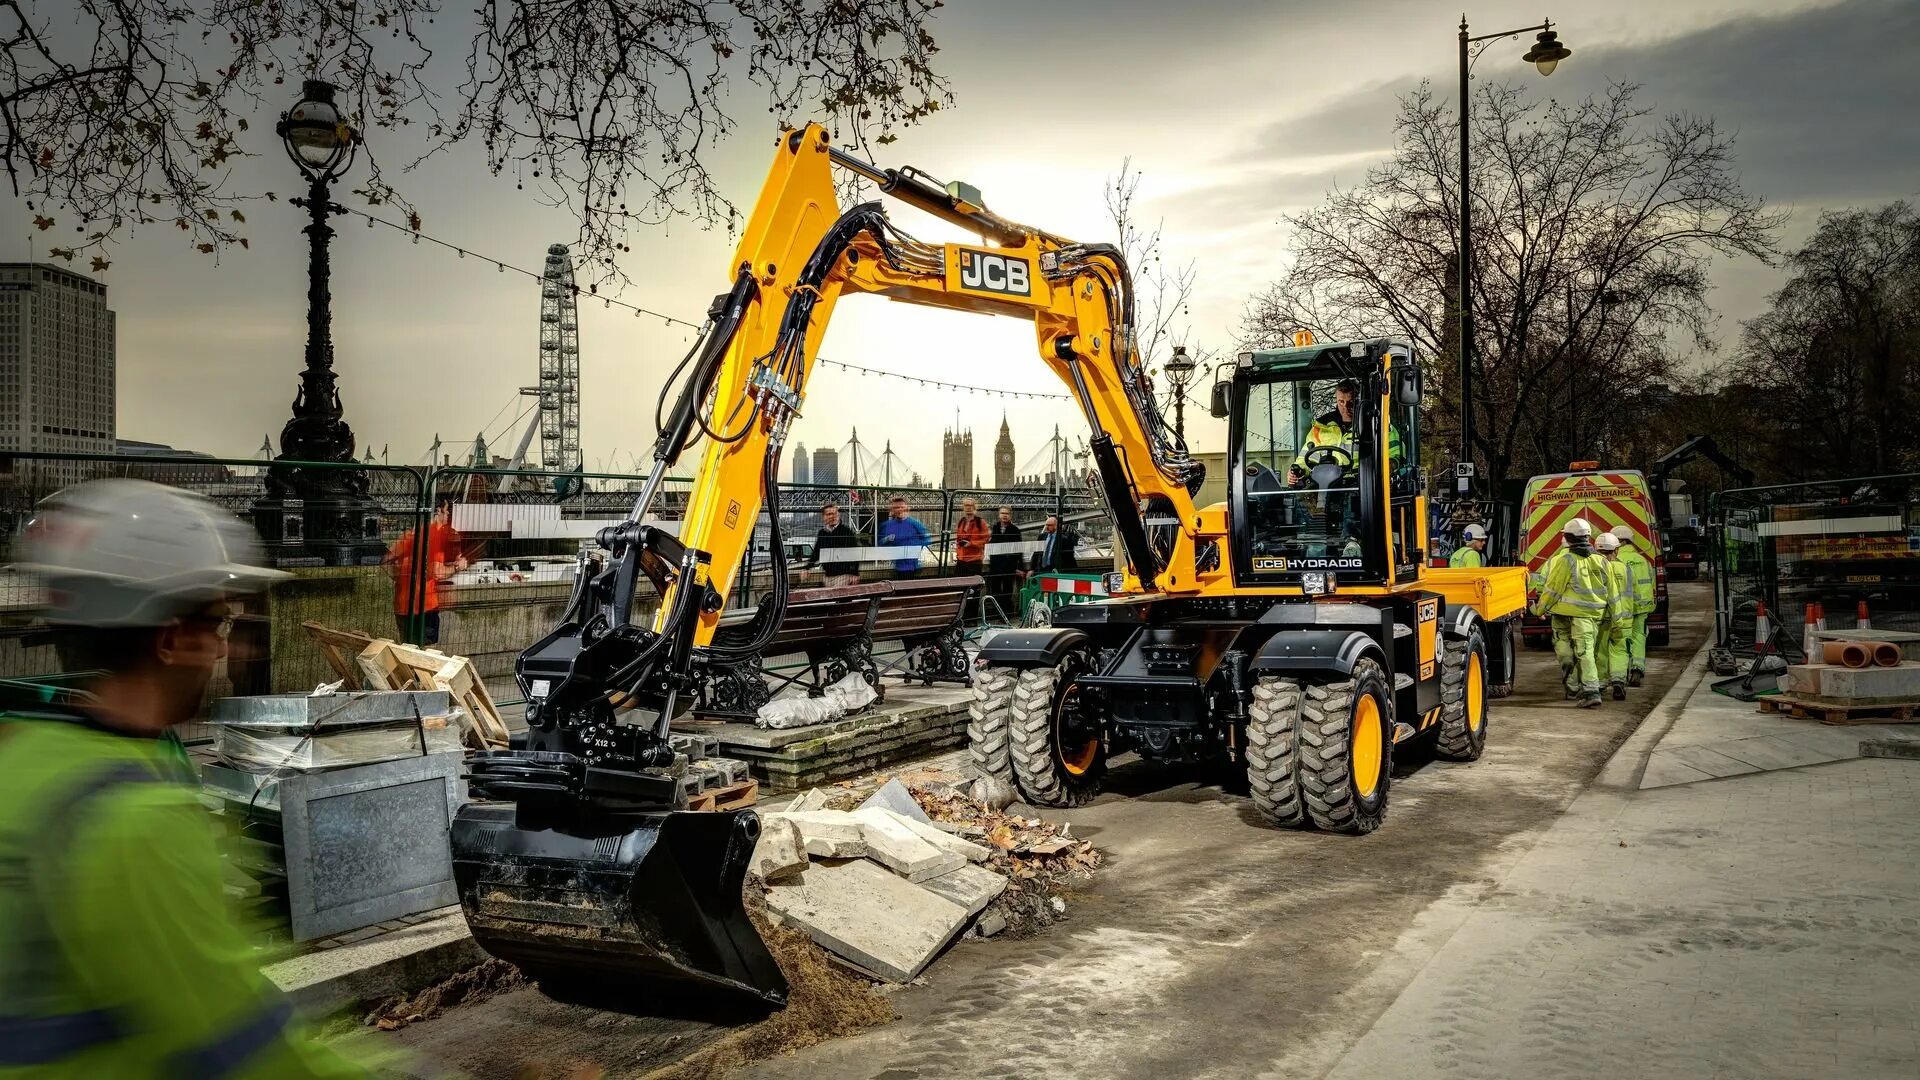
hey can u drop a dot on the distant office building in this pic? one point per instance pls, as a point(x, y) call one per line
point(56, 368)
point(826, 467)
point(956, 457)
point(198, 472)
point(1003, 457)
point(802, 467)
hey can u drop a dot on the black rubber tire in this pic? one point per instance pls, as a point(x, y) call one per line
point(1334, 803)
point(1458, 740)
point(1038, 770)
point(987, 713)
point(1273, 751)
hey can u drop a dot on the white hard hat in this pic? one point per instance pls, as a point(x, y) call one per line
point(1578, 527)
point(1623, 533)
point(1607, 542)
point(1474, 532)
point(129, 553)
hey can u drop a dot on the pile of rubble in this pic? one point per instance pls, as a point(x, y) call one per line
point(886, 884)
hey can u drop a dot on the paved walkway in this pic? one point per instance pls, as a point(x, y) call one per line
point(1764, 924)
point(1716, 736)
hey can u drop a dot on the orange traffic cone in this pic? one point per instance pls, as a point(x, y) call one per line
point(1762, 628)
point(1810, 631)
point(1860, 617)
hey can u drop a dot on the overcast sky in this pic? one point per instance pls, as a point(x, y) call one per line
point(1236, 113)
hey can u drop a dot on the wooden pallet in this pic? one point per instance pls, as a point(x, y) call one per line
point(1841, 713)
point(734, 796)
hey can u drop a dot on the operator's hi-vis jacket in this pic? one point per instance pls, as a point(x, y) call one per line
point(1639, 579)
point(1328, 430)
point(118, 957)
point(1576, 585)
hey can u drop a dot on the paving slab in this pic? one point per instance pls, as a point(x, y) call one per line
point(827, 834)
point(1772, 752)
point(1709, 760)
point(379, 966)
point(893, 795)
point(869, 916)
point(1665, 770)
point(780, 852)
point(971, 887)
point(892, 843)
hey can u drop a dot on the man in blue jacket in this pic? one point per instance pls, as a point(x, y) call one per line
point(902, 530)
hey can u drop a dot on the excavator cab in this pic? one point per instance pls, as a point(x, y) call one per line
point(1309, 484)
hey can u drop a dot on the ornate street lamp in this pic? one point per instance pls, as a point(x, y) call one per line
point(325, 511)
point(1546, 54)
point(1179, 368)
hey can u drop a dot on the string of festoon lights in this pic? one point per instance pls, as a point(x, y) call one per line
point(591, 293)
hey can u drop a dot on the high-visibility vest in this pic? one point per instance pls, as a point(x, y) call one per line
point(118, 956)
point(1619, 591)
point(1639, 579)
point(1576, 585)
point(1326, 433)
point(1465, 555)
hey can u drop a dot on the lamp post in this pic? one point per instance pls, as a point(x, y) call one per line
point(1546, 54)
point(330, 505)
point(1179, 368)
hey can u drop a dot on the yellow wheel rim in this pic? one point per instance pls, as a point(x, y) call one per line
point(1076, 760)
point(1367, 746)
point(1476, 694)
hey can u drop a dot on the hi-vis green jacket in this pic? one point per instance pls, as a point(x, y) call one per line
point(1576, 585)
point(1619, 591)
point(118, 956)
point(1639, 579)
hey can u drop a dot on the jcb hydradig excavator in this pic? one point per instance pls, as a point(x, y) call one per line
point(1293, 629)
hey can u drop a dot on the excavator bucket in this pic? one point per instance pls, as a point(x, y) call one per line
point(638, 904)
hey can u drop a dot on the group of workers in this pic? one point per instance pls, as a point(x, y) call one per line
point(1598, 592)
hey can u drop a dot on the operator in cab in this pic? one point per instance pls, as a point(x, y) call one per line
point(1335, 429)
point(1472, 551)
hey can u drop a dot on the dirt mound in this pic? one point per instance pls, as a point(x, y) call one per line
point(824, 1001)
point(477, 983)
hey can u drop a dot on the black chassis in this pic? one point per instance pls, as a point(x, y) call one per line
point(1173, 676)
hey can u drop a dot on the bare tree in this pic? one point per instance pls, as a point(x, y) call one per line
point(1594, 229)
point(121, 113)
point(1162, 290)
point(1835, 357)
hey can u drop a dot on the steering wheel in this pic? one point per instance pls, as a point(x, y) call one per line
point(1323, 465)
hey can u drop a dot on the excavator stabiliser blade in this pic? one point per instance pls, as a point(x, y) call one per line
point(645, 904)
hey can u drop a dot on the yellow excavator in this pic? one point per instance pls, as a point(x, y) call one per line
point(1292, 630)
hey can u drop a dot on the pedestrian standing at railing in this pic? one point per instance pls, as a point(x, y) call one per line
point(1056, 548)
point(903, 531)
point(970, 535)
point(834, 534)
point(416, 597)
point(1006, 562)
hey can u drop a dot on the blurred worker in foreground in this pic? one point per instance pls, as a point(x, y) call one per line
point(1611, 649)
point(1640, 584)
point(1574, 594)
point(1472, 551)
point(118, 955)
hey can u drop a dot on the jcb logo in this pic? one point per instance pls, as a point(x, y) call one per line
point(1429, 610)
point(985, 271)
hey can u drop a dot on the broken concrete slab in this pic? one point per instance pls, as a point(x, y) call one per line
point(933, 834)
point(814, 799)
point(1888, 748)
point(828, 834)
point(868, 916)
point(972, 887)
point(893, 795)
point(989, 924)
point(780, 853)
point(894, 845)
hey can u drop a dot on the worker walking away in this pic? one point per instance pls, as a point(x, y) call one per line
point(118, 956)
point(1472, 551)
point(1574, 595)
point(1612, 646)
point(1640, 584)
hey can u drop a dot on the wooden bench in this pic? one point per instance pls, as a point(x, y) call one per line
point(836, 629)
point(829, 626)
point(923, 614)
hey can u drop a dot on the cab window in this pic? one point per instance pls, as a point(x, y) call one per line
point(1300, 458)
